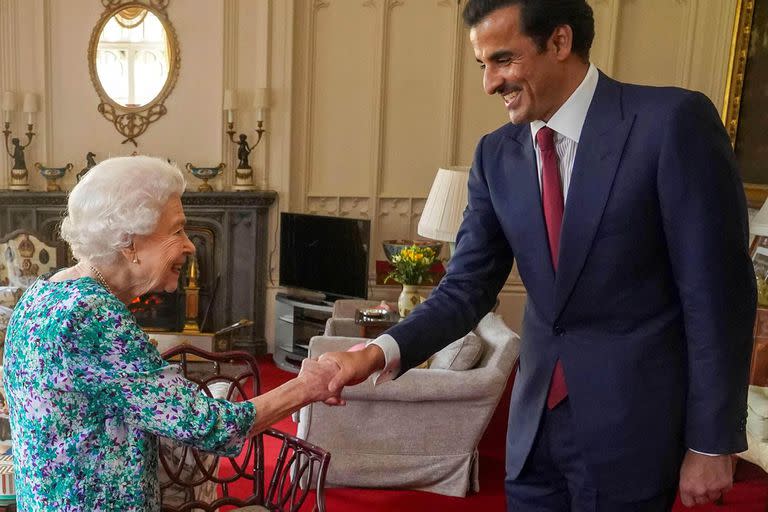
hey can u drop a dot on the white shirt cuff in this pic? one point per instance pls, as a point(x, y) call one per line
point(391, 351)
point(707, 454)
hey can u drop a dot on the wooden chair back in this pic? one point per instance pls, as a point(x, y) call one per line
point(282, 485)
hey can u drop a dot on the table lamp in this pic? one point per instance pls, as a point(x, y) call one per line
point(444, 209)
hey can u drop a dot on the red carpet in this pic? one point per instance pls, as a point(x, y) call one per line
point(750, 492)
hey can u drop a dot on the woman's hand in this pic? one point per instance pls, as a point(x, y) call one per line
point(315, 377)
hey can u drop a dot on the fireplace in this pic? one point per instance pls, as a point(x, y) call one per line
point(159, 311)
point(230, 234)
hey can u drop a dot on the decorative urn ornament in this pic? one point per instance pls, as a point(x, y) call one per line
point(52, 175)
point(205, 174)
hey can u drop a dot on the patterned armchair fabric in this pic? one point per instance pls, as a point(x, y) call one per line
point(24, 256)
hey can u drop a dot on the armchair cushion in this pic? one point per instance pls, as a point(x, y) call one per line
point(462, 354)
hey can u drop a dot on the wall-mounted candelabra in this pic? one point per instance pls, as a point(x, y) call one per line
point(19, 172)
point(244, 172)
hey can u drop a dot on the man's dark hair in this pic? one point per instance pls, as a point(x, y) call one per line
point(539, 18)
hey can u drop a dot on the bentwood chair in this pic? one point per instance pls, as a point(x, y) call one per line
point(195, 480)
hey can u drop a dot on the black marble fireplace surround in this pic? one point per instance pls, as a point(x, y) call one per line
point(230, 231)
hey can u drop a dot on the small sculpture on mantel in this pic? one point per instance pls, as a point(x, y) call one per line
point(89, 163)
point(243, 151)
point(19, 162)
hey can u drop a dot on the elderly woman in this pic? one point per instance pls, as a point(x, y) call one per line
point(88, 393)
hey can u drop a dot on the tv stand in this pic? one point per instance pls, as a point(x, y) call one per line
point(297, 320)
point(310, 300)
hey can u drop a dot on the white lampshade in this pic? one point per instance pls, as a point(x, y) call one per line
point(230, 99)
point(30, 103)
point(9, 101)
point(260, 98)
point(445, 205)
point(759, 224)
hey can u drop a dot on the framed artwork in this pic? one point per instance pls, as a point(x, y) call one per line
point(745, 112)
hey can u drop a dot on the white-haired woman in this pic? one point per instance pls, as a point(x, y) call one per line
point(87, 391)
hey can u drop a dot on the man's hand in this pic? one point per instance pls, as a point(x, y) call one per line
point(354, 368)
point(704, 478)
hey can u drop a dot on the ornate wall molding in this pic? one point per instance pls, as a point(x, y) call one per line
point(608, 27)
point(686, 43)
point(9, 69)
point(454, 108)
point(356, 207)
point(229, 80)
point(48, 138)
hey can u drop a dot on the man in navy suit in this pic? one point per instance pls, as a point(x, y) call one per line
point(623, 208)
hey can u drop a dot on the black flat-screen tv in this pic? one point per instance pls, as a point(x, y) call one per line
point(325, 254)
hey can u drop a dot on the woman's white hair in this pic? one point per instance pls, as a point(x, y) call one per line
point(117, 199)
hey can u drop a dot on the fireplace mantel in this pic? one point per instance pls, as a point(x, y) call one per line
point(229, 229)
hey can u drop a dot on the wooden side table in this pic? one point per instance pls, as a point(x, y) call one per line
point(758, 368)
point(373, 327)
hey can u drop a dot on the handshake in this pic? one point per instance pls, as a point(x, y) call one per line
point(323, 379)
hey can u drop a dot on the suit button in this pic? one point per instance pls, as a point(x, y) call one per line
point(558, 330)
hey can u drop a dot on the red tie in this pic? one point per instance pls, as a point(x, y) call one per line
point(552, 201)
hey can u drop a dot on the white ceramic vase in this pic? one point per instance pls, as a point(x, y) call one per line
point(409, 298)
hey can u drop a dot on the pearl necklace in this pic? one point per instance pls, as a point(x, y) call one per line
point(100, 278)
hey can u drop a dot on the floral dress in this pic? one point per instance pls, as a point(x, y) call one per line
point(88, 396)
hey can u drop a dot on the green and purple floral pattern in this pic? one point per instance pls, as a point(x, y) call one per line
point(88, 396)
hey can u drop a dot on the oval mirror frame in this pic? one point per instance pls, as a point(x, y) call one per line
point(133, 121)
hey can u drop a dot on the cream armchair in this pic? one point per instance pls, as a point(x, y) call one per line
point(420, 431)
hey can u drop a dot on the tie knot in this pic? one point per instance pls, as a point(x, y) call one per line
point(545, 138)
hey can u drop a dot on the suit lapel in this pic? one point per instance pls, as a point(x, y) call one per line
point(598, 155)
point(524, 206)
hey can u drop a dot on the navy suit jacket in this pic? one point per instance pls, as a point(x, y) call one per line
point(652, 306)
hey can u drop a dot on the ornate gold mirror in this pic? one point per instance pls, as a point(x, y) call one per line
point(134, 61)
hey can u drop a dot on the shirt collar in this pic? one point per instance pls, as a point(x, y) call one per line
point(569, 118)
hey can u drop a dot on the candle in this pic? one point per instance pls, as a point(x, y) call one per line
point(260, 114)
point(229, 116)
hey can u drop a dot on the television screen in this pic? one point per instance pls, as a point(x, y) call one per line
point(325, 254)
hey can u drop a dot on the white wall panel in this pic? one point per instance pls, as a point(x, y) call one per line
point(478, 113)
point(417, 89)
point(648, 45)
point(342, 97)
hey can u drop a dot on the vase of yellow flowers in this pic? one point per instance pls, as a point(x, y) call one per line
point(409, 268)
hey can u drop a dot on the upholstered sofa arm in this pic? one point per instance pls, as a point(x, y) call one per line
point(321, 344)
point(420, 385)
point(345, 327)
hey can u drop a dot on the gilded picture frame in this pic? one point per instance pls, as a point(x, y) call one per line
point(746, 98)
